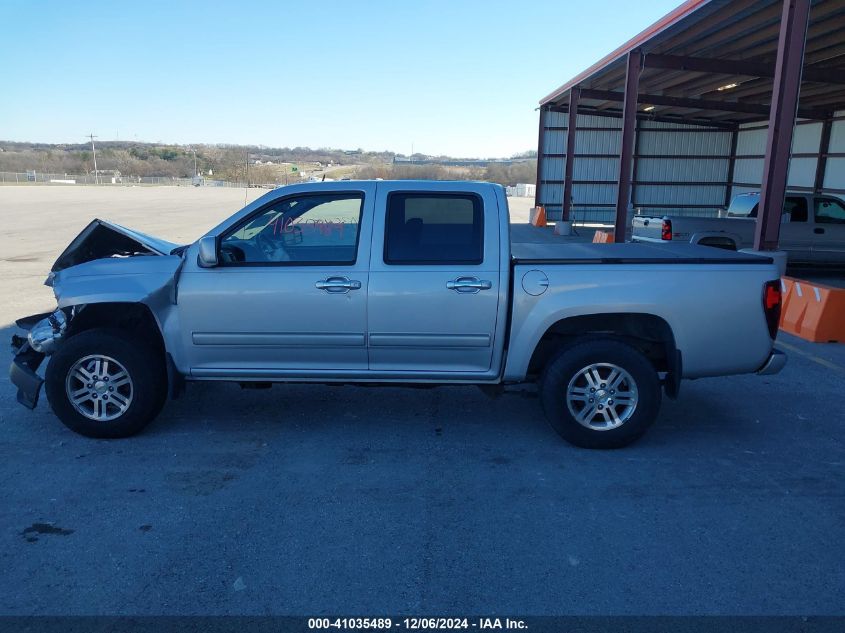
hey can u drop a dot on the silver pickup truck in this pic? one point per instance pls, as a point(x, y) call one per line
point(812, 228)
point(392, 283)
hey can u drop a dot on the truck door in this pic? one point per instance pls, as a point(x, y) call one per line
point(290, 290)
point(434, 280)
point(829, 231)
point(796, 231)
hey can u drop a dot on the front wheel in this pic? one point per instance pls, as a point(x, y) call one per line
point(600, 394)
point(103, 383)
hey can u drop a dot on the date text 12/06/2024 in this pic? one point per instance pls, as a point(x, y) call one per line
point(417, 623)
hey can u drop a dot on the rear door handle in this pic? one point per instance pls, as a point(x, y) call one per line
point(818, 230)
point(338, 284)
point(469, 284)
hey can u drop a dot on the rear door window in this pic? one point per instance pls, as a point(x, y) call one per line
point(796, 208)
point(434, 228)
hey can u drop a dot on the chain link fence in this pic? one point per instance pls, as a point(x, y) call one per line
point(111, 178)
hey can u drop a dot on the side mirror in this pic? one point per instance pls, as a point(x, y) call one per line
point(207, 257)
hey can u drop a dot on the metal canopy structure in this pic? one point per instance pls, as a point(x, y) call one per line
point(721, 65)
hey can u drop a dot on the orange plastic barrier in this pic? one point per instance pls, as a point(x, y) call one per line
point(539, 218)
point(603, 237)
point(814, 312)
point(787, 287)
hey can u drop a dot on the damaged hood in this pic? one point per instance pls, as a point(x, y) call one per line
point(102, 239)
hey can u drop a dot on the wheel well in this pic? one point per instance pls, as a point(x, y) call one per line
point(647, 333)
point(135, 318)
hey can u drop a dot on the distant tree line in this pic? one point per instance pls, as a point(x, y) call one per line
point(151, 159)
point(504, 174)
point(229, 162)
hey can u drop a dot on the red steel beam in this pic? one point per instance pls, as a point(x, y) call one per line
point(541, 148)
point(738, 67)
point(824, 150)
point(700, 104)
point(574, 97)
point(731, 168)
point(629, 121)
point(787, 84)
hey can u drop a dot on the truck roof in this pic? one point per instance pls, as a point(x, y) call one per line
point(408, 183)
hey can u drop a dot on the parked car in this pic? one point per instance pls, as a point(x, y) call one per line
point(408, 282)
point(812, 229)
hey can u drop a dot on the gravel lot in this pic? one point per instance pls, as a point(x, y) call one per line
point(308, 500)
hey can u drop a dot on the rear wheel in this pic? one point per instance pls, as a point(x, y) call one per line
point(102, 383)
point(600, 394)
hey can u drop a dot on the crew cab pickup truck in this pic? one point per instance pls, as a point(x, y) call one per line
point(408, 282)
point(812, 228)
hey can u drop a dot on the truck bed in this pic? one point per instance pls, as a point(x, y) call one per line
point(632, 253)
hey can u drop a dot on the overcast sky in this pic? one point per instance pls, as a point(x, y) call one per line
point(460, 77)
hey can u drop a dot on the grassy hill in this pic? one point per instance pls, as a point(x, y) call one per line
point(228, 162)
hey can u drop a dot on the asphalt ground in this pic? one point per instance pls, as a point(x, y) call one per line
point(309, 500)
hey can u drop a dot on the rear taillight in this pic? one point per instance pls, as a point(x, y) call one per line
point(666, 230)
point(771, 305)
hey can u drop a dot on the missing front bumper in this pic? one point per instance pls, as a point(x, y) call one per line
point(22, 372)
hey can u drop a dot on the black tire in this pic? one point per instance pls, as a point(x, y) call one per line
point(567, 366)
point(143, 363)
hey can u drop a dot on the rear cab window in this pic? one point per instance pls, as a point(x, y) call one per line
point(743, 206)
point(746, 206)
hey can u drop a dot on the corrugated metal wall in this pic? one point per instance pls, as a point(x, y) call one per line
point(679, 169)
point(834, 178)
point(806, 145)
point(751, 149)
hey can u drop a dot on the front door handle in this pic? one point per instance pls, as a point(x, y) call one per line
point(469, 284)
point(818, 230)
point(338, 284)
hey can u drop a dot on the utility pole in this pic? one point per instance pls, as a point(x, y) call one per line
point(94, 151)
point(246, 176)
point(191, 149)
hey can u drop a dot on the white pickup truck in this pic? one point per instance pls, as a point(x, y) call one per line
point(408, 283)
point(812, 228)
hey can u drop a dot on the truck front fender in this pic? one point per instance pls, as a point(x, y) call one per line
point(150, 281)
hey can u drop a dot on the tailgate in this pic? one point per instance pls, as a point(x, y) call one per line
point(648, 227)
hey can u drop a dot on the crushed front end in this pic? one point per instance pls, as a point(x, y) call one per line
point(104, 263)
point(45, 332)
